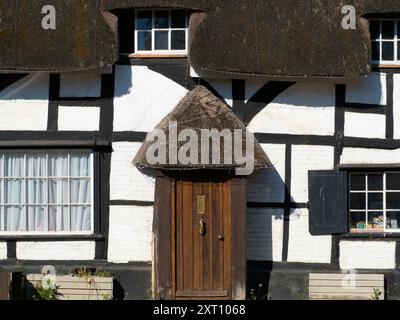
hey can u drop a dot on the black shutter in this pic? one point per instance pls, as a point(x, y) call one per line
point(328, 212)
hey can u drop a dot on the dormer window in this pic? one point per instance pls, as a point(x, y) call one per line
point(385, 36)
point(161, 31)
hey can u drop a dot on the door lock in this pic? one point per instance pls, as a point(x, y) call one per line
point(202, 227)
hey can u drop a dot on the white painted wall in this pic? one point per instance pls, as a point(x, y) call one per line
point(365, 125)
point(268, 185)
point(127, 182)
point(303, 247)
point(80, 84)
point(396, 105)
point(58, 250)
point(24, 104)
point(78, 118)
point(130, 236)
point(3, 250)
point(301, 109)
point(264, 234)
point(367, 255)
point(304, 159)
point(371, 90)
point(369, 156)
point(143, 98)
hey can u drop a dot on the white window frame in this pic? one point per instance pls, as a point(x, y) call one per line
point(380, 40)
point(153, 51)
point(385, 210)
point(47, 204)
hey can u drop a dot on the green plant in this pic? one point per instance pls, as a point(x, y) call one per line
point(46, 291)
point(107, 296)
point(253, 295)
point(103, 274)
point(376, 295)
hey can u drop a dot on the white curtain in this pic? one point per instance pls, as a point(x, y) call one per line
point(45, 193)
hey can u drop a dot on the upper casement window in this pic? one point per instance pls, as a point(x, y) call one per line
point(385, 36)
point(161, 32)
point(46, 192)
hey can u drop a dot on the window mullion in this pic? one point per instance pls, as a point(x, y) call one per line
point(69, 193)
point(25, 185)
point(47, 216)
point(384, 202)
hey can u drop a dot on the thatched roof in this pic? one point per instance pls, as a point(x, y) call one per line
point(277, 38)
point(201, 109)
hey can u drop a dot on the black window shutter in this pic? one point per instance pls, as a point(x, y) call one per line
point(328, 212)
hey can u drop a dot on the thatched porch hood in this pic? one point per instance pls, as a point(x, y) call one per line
point(201, 109)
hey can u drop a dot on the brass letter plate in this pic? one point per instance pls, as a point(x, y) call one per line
point(201, 204)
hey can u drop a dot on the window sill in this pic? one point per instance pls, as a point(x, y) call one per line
point(154, 56)
point(371, 235)
point(52, 237)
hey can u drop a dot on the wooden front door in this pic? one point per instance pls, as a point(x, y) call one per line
point(201, 238)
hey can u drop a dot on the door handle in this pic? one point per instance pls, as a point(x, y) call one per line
point(221, 237)
point(202, 227)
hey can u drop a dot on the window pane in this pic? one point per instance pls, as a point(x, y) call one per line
point(357, 220)
point(393, 181)
point(80, 191)
point(357, 182)
point(375, 182)
point(161, 20)
point(375, 221)
point(393, 220)
point(36, 191)
point(58, 191)
point(376, 55)
point(375, 201)
point(375, 29)
point(387, 29)
point(178, 40)
point(59, 218)
point(36, 165)
point(14, 191)
point(58, 165)
point(37, 218)
point(393, 200)
point(81, 218)
point(398, 50)
point(15, 218)
point(144, 40)
point(388, 51)
point(80, 165)
point(144, 20)
point(178, 19)
point(161, 40)
point(14, 165)
point(357, 201)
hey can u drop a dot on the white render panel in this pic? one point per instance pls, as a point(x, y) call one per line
point(224, 88)
point(3, 250)
point(78, 118)
point(303, 247)
point(304, 159)
point(58, 250)
point(264, 234)
point(252, 87)
point(130, 236)
point(80, 85)
point(365, 125)
point(143, 98)
point(301, 109)
point(396, 105)
point(24, 104)
point(371, 90)
point(367, 255)
point(269, 185)
point(126, 181)
point(370, 156)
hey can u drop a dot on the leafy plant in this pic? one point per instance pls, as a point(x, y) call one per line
point(46, 290)
point(255, 295)
point(103, 274)
point(376, 294)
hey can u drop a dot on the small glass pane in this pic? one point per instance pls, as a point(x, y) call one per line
point(161, 20)
point(393, 181)
point(80, 191)
point(58, 191)
point(387, 29)
point(144, 40)
point(36, 191)
point(393, 200)
point(58, 165)
point(36, 166)
point(357, 182)
point(375, 201)
point(144, 20)
point(398, 50)
point(2, 219)
point(375, 182)
point(15, 218)
point(81, 218)
point(14, 191)
point(161, 40)
point(357, 220)
point(357, 201)
point(14, 165)
point(80, 165)
point(59, 218)
point(178, 40)
point(376, 55)
point(37, 218)
point(375, 29)
point(178, 19)
point(375, 221)
point(393, 220)
point(387, 51)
